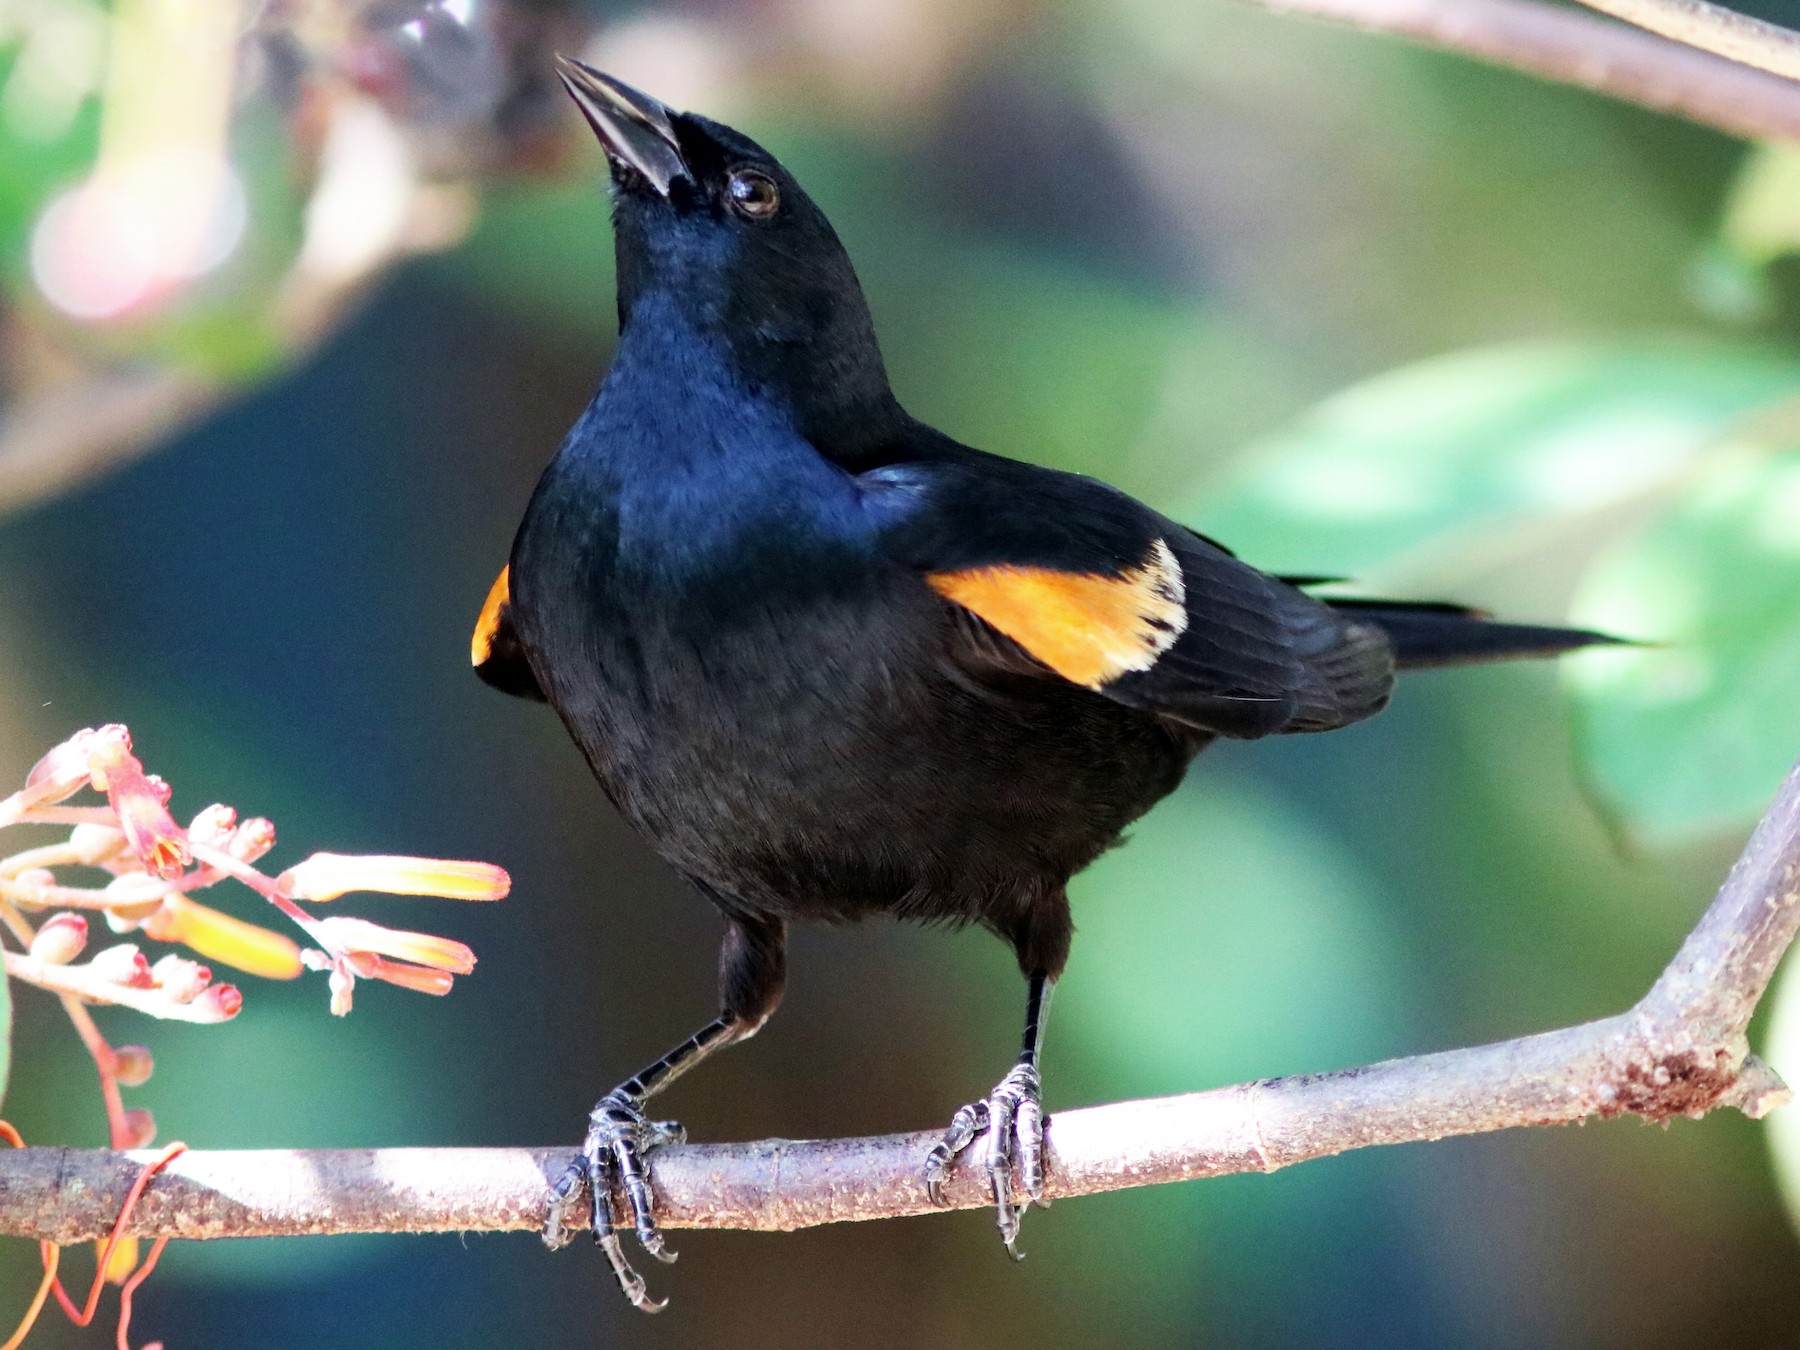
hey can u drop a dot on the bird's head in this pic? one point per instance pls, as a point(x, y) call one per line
point(709, 223)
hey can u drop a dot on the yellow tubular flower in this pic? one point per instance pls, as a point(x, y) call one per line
point(326, 876)
point(221, 938)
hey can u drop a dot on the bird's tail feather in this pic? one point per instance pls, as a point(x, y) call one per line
point(1427, 634)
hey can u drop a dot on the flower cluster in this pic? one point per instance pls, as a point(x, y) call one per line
point(156, 865)
point(152, 867)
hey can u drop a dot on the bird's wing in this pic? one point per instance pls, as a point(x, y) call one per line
point(494, 650)
point(1075, 580)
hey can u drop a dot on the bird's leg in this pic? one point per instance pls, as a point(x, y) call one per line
point(751, 972)
point(612, 1155)
point(1012, 1119)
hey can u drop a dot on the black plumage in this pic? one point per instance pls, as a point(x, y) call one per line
point(833, 663)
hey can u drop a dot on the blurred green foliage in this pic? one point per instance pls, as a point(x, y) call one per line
point(1656, 483)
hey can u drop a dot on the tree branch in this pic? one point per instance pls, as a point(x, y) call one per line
point(1713, 28)
point(1608, 58)
point(1680, 1051)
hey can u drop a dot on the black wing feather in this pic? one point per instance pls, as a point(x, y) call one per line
point(1257, 656)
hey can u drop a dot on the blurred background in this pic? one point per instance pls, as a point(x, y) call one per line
point(296, 300)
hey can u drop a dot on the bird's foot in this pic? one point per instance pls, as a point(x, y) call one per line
point(1012, 1120)
point(612, 1158)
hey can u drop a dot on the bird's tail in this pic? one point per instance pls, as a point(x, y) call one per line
point(1426, 634)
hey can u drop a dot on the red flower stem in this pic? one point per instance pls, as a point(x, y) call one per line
point(263, 886)
point(104, 1062)
point(138, 1277)
point(51, 1255)
point(85, 1314)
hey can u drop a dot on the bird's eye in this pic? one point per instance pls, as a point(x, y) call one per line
point(753, 195)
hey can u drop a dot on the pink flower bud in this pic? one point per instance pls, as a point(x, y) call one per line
point(108, 745)
point(213, 826)
point(96, 844)
point(220, 1003)
point(254, 838)
point(140, 1129)
point(36, 876)
point(123, 964)
point(417, 978)
point(133, 888)
point(131, 898)
point(358, 936)
point(61, 939)
point(180, 978)
point(58, 775)
point(132, 1065)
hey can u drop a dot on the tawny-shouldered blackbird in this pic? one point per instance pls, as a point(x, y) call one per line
point(833, 663)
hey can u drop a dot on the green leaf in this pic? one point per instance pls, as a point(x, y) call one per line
point(1653, 482)
point(1760, 223)
point(1451, 451)
point(1690, 740)
point(1762, 214)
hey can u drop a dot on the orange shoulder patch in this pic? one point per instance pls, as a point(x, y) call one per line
point(493, 611)
point(1088, 628)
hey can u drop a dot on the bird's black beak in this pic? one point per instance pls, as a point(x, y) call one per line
point(634, 129)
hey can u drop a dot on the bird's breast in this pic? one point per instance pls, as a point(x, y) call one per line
point(676, 618)
point(777, 713)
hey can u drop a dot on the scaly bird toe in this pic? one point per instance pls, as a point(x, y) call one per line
point(1012, 1121)
point(612, 1160)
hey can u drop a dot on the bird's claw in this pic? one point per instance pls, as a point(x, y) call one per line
point(1012, 1120)
point(612, 1159)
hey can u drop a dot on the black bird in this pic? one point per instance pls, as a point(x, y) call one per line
point(833, 663)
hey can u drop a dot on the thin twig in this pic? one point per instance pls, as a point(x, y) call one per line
point(1572, 48)
point(1680, 1051)
point(1713, 28)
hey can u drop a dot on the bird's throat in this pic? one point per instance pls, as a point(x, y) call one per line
point(816, 362)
